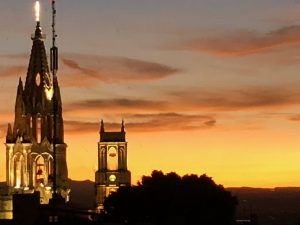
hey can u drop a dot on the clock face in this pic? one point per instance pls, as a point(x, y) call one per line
point(38, 79)
point(112, 178)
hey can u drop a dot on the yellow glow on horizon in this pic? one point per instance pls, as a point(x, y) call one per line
point(244, 158)
point(37, 11)
point(232, 158)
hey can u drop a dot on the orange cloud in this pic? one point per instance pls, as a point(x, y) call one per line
point(295, 118)
point(171, 122)
point(117, 105)
point(3, 130)
point(85, 70)
point(20, 57)
point(10, 71)
point(243, 43)
point(108, 69)
point(242, 99)
point(72, 126)
point(247, 98)
point(148, 123)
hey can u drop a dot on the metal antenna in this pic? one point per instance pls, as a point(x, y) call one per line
point(54, 67)
point(54, 49)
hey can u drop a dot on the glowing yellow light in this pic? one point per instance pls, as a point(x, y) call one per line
point(37, 11)
point(48, 188)
point(18, 181)
point(49, 93)
point(112, 178)
point(38, 79)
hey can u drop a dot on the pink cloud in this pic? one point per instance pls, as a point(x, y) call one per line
point(242, 43)
point(148, 123)
point(85, 70)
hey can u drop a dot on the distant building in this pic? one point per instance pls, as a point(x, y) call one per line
point(29, 142)
point(112, 164)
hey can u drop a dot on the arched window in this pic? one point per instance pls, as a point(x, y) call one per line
point(102, 158)
point(122, 158)
point(50, 166)
point(38, 130)
point(18, 170)
point(112, 159)
point(49, 171)
point(40, 170)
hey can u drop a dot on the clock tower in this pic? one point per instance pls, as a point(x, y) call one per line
point(112, 164)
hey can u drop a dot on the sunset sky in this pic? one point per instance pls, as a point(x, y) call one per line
point(204, 86)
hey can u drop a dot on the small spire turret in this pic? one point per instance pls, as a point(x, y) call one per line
point(9, 135)
point(20, 87)
point(19, 106)
point(102, 127)
point(123, 126)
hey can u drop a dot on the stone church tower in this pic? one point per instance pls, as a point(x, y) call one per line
point(112, 164)
point(29, 142)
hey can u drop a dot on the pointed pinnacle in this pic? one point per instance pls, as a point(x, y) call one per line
point(102, 127)
point(123, 126)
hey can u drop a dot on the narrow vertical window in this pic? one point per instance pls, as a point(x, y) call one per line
point(38, 130)
point(17, 173)
point(112, 159)
point(40, 170)
point(50, 171)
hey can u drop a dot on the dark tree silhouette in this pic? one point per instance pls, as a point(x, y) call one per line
point(170, 199)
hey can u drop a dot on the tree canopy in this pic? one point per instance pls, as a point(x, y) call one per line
point(171, 199)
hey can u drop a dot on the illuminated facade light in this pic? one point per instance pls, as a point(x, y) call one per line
point(37, 11)
point(49, 93)
point(112, 164)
